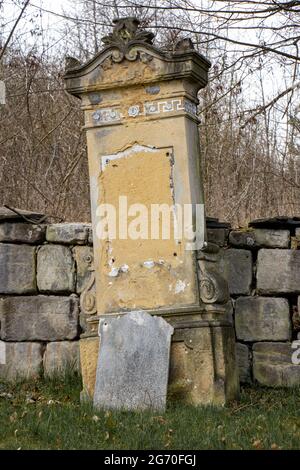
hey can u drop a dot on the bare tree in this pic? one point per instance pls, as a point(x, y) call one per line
point(249, 114)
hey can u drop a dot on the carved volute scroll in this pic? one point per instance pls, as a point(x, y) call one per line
point(212, 285)
point(88, 296)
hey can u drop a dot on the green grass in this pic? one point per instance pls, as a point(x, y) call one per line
point(48, 415)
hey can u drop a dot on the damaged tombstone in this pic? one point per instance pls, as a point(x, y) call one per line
point(140, 108)
point(133, 367)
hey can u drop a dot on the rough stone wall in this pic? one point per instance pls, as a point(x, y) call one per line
point(263, 270)
point(44, 269)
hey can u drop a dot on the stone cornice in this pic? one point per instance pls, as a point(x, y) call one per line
point(186, 63)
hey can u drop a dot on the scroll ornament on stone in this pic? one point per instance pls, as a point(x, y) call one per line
point(212, 285)
point(88, 297)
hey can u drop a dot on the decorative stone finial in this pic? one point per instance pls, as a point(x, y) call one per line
point(185, 44)
point(71, 63)
point(126, 30)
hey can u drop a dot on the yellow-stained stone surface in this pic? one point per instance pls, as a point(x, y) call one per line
point(89, 348)
point(143, 144)
point(202, 368)
point(148, 265)
point(152, 177)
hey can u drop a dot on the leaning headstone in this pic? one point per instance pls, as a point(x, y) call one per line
point(133, 366)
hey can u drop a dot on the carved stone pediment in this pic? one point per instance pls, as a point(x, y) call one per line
point(128, 43)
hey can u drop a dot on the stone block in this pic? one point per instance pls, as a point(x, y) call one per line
point(203, 367)
point(244, 363)
point(269, 238)
point(278, 271)
point(295, 244)
point(22, 233)
point(242, 239)
point(273, 366)
point(39, 318)
point(296, 317)
point(55, 269)
point(70, 234)
point(84, 258)
point(218, 236)
point(9, 215)
point(228, 314)
point(298, 233)
point(262, 319)
point(17, 269)
point(259, 238)
point(238, 268)
point(21, 361)
point(61, 357)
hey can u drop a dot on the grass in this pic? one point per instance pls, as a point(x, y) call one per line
point(48, 415)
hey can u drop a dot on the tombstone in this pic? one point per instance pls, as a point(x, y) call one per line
point(140, 108)
point(133, 367)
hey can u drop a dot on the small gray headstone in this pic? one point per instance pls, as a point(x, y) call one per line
point(133, 366)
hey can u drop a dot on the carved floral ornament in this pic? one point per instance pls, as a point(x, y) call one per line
point(127, 30)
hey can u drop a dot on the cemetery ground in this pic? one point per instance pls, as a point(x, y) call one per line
point(47, 414)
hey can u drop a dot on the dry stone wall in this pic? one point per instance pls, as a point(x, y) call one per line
point(42, 274)
point(45, 268)
point(262, 265)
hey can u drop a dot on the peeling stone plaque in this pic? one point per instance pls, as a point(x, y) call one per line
point(133, 365)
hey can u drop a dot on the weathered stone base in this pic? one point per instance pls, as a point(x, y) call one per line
point(203, 368)
point(21, 361)
point(89, 348)
point(273, 366)
point(61, 357)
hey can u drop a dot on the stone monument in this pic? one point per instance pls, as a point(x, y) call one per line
point(140, 107)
